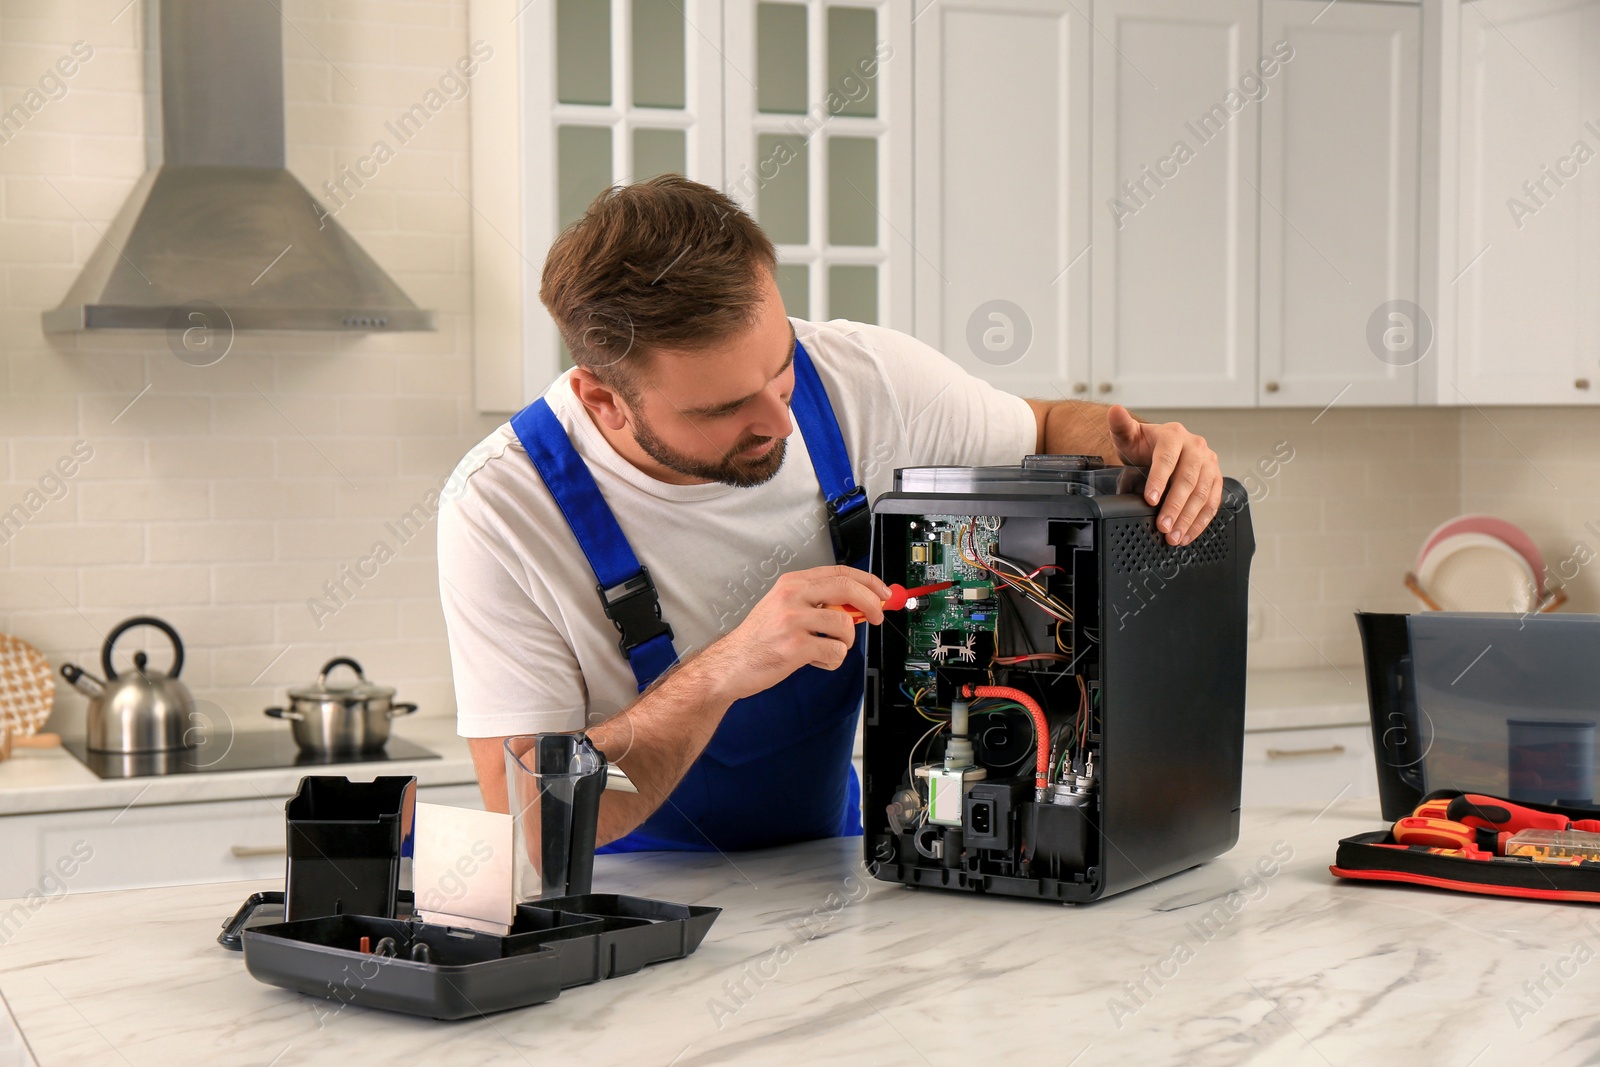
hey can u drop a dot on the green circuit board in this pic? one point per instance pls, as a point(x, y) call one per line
point(969, 607)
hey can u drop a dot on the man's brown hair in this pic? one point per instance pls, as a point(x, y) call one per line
point(663, 263)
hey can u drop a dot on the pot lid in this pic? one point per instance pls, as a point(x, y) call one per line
point(359, 690)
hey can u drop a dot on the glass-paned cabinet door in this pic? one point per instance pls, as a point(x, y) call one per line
point(818, 149)
point(616, 91)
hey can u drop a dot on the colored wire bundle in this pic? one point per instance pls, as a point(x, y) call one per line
point(1080, 730)
point(1011, 574)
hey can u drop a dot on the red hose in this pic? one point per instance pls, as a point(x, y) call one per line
point(1041, 726)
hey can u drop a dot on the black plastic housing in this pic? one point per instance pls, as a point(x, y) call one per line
point(1398, 739)
point(570, 814)
point(344, 843)
point(990, 810)
point(1057, 838)
point(1162, 633)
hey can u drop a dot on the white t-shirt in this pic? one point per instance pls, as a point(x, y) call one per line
point(530, 646)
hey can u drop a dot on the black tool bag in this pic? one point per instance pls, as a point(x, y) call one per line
point(1377, 857)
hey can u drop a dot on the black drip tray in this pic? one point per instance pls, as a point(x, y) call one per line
point(247, 750)
point(553, 945)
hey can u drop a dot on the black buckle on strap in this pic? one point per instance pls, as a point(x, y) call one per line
point(850, 526)
point(635, 610)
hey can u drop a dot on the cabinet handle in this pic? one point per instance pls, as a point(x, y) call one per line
point(1271, 387)
point(1080, 387)
point(244, 852)
point(1105, 387)
point(1582, 383)
point(1295, 753)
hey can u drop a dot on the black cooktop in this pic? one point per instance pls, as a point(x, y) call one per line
point(255, 750)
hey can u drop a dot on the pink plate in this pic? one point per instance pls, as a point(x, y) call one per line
point(1496, 527)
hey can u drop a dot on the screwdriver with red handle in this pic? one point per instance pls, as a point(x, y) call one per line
point(898, 595)
point(1446, 833)
point(1434, 809)
point(1492, 813)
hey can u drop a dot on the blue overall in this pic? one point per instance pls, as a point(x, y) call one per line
point(777, 769)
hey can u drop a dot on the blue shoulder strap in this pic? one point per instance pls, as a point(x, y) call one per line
point(849, 518)
point(626, 591)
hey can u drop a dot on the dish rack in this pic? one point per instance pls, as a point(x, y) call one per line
point(1503, 555)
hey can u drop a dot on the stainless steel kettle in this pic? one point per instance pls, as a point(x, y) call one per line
point(143, 711)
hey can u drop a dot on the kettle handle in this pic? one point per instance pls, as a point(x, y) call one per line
point(142, 620)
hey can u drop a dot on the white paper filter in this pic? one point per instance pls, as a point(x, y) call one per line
point(462, 867)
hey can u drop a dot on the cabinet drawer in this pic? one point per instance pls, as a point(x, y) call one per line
point(163, 844)
point(1308, 766)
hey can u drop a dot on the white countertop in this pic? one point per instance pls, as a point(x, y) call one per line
point(39, 780)
point(813, 962)
point(1301, 699)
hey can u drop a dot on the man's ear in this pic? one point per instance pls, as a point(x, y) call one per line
point(603, 402)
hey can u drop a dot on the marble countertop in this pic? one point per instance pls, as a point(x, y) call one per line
point(39, 780)
point(812, 961)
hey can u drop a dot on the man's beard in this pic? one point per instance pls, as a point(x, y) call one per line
point(729, 470)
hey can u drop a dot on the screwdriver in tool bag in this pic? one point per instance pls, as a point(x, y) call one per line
point(1492, 813)
point(1445, 833)
point(898, 595)
point(1438, 808)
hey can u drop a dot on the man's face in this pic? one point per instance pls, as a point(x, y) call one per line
point(721, 413)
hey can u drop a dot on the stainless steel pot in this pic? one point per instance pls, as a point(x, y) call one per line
point(330, 719)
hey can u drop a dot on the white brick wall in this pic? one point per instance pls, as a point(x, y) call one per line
point(1340, 524)
point(203, 503)
point(1537, 467)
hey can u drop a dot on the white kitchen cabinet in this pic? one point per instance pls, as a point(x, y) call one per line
point(162, 844)
point(1174, 187)
point(1528, 239)
point(818, 141)
point(1087, 197)
point(799, 110)
point(577, 95)
point(1339, 183)
point(1002, 190)
point(1309, 766)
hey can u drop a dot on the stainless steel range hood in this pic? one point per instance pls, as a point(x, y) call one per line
point(217, 219)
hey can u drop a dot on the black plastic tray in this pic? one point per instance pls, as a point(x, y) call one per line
point(620, 934)
point(260, 909)
point(553, 945)
point(468, 973)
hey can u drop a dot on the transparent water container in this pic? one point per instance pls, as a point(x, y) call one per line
point(553, 784)
point(1502, 704)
